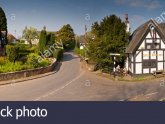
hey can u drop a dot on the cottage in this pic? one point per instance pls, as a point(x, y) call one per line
point(146, 50)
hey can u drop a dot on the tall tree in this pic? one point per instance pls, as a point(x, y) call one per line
point(43, 40)
point(30, 34)
point(110, 37)
point(67, 36)
point(3, 22)
point(50, 39)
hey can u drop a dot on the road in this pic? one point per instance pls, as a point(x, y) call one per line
point(73, 83)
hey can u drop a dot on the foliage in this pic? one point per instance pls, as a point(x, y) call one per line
point(58, 54)
point(44, 63)
point(67, 36)
point(33, 61)
point(12, 52)
point(42, 41)
point(77, 50)
point(10, 67)
point(110, 36)
point(50, 39)
point(2, 60)
point(3, 20)
point(30, 34)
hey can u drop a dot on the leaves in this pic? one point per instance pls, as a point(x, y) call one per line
point(30, 34)
point(67, 36)
point(110, 37)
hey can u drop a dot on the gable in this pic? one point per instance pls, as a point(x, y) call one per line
point(143, 32)
point(148, 39)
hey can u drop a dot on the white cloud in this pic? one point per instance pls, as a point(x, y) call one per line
point(149, 4)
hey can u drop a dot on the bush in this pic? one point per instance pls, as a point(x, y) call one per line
point(44, 63)
point(10, 67)
point(77, 50)
point(12, 52)
point(33, 61)
point(58, 54)
point(2, 60)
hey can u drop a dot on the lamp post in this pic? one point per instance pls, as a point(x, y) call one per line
point(114, 62)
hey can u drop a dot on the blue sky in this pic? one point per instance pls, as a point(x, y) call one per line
point(55, 13)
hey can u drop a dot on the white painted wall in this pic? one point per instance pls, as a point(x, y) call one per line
point(138, 69)
point(139, 57)
point(142, 46)
point(148, 35)
point(149, 41)
point(160, 65)
point(162, 45)
point(132, 68)
point(146, 71)
point(160, 55)
point(145, 54)
point(153, 69)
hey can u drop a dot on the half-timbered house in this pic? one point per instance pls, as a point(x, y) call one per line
point(146, 50)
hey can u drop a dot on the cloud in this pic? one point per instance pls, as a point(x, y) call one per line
point(149, 4)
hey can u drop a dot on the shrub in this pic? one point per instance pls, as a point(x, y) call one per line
point(44, 63)
point(10, 67)
point(77, 50)
point(2, 60)
point(58, 54)
point(12, 52)
point(32, 60)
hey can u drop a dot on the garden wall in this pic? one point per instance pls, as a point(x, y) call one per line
point(27, 73)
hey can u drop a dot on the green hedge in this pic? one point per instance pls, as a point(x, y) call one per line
point(58, 54)
point(12, 53)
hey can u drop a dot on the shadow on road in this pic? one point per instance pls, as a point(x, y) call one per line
point(68, 57)
point(58, 66)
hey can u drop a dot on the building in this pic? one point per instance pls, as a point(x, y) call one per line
point(146, 50)
point(11, 39)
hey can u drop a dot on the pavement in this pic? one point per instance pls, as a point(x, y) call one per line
point(71, 82)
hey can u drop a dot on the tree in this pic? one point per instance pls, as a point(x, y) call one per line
point(3, 22)
point(30, 34)
point(50, 39)
point(12, 53)
point(110, 37)
point(43, 40)
point(67, 36)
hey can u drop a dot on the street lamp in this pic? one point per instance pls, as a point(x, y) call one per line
point(114, 62)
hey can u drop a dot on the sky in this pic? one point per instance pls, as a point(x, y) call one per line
point(55, 13)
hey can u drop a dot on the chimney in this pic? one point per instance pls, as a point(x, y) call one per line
point(127, 23)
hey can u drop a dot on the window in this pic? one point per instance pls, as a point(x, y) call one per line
point(153, 46)
point(149, 63)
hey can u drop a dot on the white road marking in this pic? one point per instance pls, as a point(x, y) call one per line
point(150, 94)
point(56, 90)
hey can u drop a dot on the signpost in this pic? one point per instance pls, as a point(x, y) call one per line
point(114, 62)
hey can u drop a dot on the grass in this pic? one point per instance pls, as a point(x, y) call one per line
point(126, 78)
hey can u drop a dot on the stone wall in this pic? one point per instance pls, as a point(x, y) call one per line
point(27, 73)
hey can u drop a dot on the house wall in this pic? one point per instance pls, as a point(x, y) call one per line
point(145, 54)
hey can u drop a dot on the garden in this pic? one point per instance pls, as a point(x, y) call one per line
point(23, 57)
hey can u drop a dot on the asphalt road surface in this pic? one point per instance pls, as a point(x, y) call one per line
point(72, 83)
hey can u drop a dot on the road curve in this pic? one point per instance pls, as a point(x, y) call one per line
point(72, 83)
